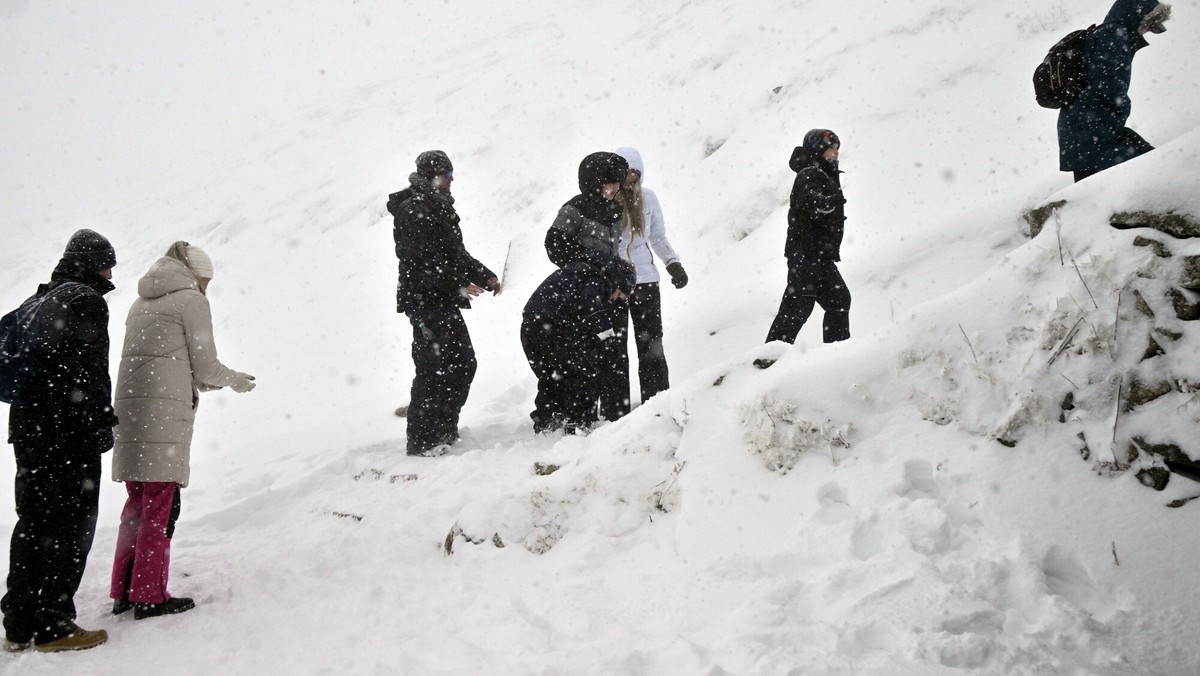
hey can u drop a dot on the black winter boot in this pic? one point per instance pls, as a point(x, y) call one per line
point(172, 606)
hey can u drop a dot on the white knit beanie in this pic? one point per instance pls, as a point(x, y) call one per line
point(199, 262)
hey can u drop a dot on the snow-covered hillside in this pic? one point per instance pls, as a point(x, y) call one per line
point(848, 511)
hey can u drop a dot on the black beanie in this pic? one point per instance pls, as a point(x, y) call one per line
point(818, 140)
point(433, 162)
point(91, 250)
point(601, 168)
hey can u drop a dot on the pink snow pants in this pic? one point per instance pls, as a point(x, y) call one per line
point(144, 542)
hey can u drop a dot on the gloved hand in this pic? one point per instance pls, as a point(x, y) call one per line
point(678, 276)
point(244, 383)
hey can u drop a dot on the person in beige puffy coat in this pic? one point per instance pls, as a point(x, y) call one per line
point(168, 358)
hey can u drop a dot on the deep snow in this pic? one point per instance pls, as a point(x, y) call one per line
point(894, 544)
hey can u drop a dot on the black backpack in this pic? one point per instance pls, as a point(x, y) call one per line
point(1062, 75)
point(21, 370)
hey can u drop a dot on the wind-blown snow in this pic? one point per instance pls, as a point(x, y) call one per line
point(848, 511)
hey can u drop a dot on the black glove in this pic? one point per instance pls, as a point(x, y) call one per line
point(678, 276)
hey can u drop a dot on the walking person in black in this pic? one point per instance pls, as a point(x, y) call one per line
point(58, 439)
point(588, 229)
point(564, 330)
point(816, 222)
point(1092, 135)
point(437, 279)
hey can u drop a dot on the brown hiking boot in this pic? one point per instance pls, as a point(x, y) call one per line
point(80, 639)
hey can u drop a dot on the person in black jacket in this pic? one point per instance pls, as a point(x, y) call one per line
point(588, 229)
point(437, 279)
point(816, 222)
point(564, 328)
point(58, 440)
point(1092, 135)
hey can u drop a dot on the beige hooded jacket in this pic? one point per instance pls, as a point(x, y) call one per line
point(167, 358)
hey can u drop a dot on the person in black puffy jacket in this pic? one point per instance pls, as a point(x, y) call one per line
point(588, 229)
point(565, 326)
point(816, 222)
point(437, 279)
point(58, 440)
point(1092, 135)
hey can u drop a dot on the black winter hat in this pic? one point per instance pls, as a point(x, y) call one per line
point(601, 168)
point(433, 162)
point(91, 250)
point(818, 140)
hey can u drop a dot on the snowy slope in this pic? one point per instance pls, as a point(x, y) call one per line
point(665, 543)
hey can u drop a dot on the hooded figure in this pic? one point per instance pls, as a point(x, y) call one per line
point(1092, 135)
point(58, 436)
point(588, 230)
point(588, 226)
point(816, 221)
point(168, 358)
point(565, 325)
point(643, 236)
point(437, 279)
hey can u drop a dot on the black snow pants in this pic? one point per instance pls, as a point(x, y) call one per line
point(57, 493)
point(812, 281)
point(445, 364)
point(645, 311)
point(567, 364)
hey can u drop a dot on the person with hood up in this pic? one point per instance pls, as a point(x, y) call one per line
point(168, 358)
point(588, 229)
point(643, 235)
point(59, 431)
point(564, 327)
point(437, 280)
point(1092, 135)
point(816, 222)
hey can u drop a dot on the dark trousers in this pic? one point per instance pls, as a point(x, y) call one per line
point(614, 376)
point(57, 494)
point(445, 366)
point(568, 366)
point(812, 281)
point(645, 310)
point(1080, 175)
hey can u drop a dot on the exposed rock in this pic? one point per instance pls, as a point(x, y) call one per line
point(1186, 308)
point(1153, 350)
point(1190, 279)
point(1168, 333)
point(1037, 217)
point(1154, 477)
point(544, 468)
point(1143, 393)
point(1139, 302)
point(1068, 404)
point(1181, 226)
point(1156, 246)
point(1169, 452)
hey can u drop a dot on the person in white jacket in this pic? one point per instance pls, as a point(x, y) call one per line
point(644, 236)
point(168, 357)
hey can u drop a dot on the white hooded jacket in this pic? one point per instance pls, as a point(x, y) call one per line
point(640, 250)
point(168, 356)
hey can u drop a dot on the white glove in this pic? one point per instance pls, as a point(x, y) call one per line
point(244, 383)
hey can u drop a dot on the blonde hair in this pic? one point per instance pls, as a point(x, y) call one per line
point(634, 216)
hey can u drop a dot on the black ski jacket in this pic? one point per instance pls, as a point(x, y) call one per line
point(817, 217)
point(434, 266)
point(73, 406)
